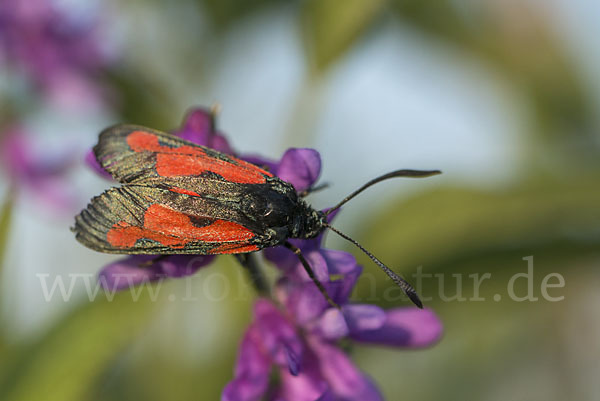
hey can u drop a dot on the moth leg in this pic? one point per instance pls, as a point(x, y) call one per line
point(248, 261)
point(311, 273)
point(309, 191)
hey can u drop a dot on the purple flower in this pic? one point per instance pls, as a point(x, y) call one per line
point(271, 340)
point(400, 327)
point(303, 351)
point(40, 173)
point(91, 161)
point(199, 127)
point(59, 54)
point(298, 166)
point(138, 269)
point(307, 359)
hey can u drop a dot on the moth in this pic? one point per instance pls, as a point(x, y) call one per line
point(177, 197)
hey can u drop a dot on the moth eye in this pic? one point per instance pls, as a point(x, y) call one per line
point(260, 207)
point(268, 209)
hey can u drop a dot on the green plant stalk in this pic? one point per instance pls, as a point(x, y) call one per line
point(5, 221)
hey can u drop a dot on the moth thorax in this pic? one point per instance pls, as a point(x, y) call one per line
point(308, 222)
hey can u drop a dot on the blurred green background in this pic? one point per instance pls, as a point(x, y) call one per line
point(502, 95)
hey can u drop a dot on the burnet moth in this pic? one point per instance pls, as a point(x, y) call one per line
point(177, 197)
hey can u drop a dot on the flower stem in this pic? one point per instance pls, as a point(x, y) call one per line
point(5, 220)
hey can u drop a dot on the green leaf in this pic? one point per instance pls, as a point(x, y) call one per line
point(66, 363)
point(331, 27)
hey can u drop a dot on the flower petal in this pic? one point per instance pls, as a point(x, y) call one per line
point(59, 54)
point(15, 152)
point(293, 360)
point(302, 300)
point(341, 263)
point(309, 385)
point(176, 266)
point(331, 325)
point(361, 317)
point(404, 327)
point(262, 162)
point(127, 272)
point(343, 377)
point(300, 167)
point(318, 265)
point(327, 396)
point(43, 172)
point(287, 261)
point(251, 371)
point(278, 336)
point(281, 257)
point(198, 127)
point(91, 161)
point(137, 269)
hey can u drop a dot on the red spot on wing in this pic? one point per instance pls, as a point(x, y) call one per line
point(233, 248)
point(183, 191)
point(190, 160)
point(124, 235)
point(174, 229)
point(141, 141)
point(171, 165)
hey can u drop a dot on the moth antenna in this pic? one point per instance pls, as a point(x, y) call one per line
point(403, 284)
point(393, 174)
point(316, 188)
